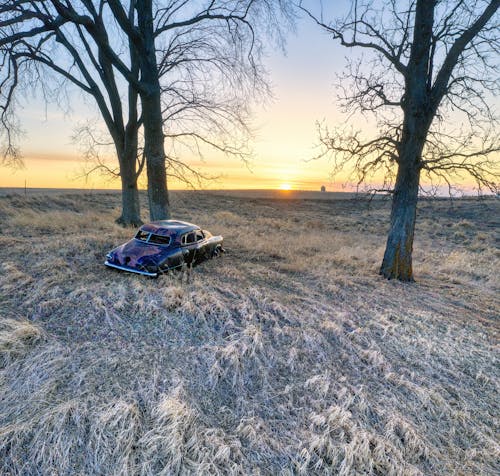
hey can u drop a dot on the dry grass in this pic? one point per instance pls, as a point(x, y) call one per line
point(287, 356)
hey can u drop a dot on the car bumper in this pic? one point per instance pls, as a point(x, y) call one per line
point(130, 270)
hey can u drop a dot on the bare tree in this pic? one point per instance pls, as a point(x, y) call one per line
point(9, 127)
point(175, 50)
point(176, 41)
point(428, 61)
point(39, 47)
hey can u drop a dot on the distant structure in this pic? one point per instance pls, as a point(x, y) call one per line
point(323, 188)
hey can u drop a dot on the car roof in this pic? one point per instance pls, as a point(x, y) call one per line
point(169, 227)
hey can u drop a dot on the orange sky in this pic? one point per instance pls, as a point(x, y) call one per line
point(43, 171)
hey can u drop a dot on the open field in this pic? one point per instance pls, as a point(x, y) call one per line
point(289, 355)
point(248, 193)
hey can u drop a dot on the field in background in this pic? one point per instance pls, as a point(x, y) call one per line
point(289, 355)
point(248, 194)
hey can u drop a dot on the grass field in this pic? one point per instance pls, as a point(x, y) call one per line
point(289, 355)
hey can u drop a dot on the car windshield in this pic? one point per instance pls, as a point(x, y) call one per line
point(142, 235)
point(152, 238)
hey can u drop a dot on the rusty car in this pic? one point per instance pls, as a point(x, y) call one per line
point(165, 245)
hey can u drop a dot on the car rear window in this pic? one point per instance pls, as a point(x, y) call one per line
point(152, 238)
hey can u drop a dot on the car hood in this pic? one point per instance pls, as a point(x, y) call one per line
point(135, 253)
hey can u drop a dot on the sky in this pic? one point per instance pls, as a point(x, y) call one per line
point(285, 133)
point(286, 137)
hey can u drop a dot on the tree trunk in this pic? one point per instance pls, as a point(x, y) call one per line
point(397, 262)
point(131, 212)
point(154, 148)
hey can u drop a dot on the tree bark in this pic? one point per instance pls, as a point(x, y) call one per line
point(397, 262)
point(154, 148)
point(131, 211)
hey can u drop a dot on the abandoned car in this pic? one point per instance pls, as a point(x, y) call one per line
point(164, 245)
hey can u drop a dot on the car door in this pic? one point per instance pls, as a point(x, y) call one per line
point(201, 248)
point(194, 249)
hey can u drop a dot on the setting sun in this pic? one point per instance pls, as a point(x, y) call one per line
point(285, 186)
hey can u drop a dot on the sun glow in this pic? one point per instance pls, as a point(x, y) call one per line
point(285, 186)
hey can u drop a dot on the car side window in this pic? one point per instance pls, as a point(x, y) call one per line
point(190, 238)
point(159, 239)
